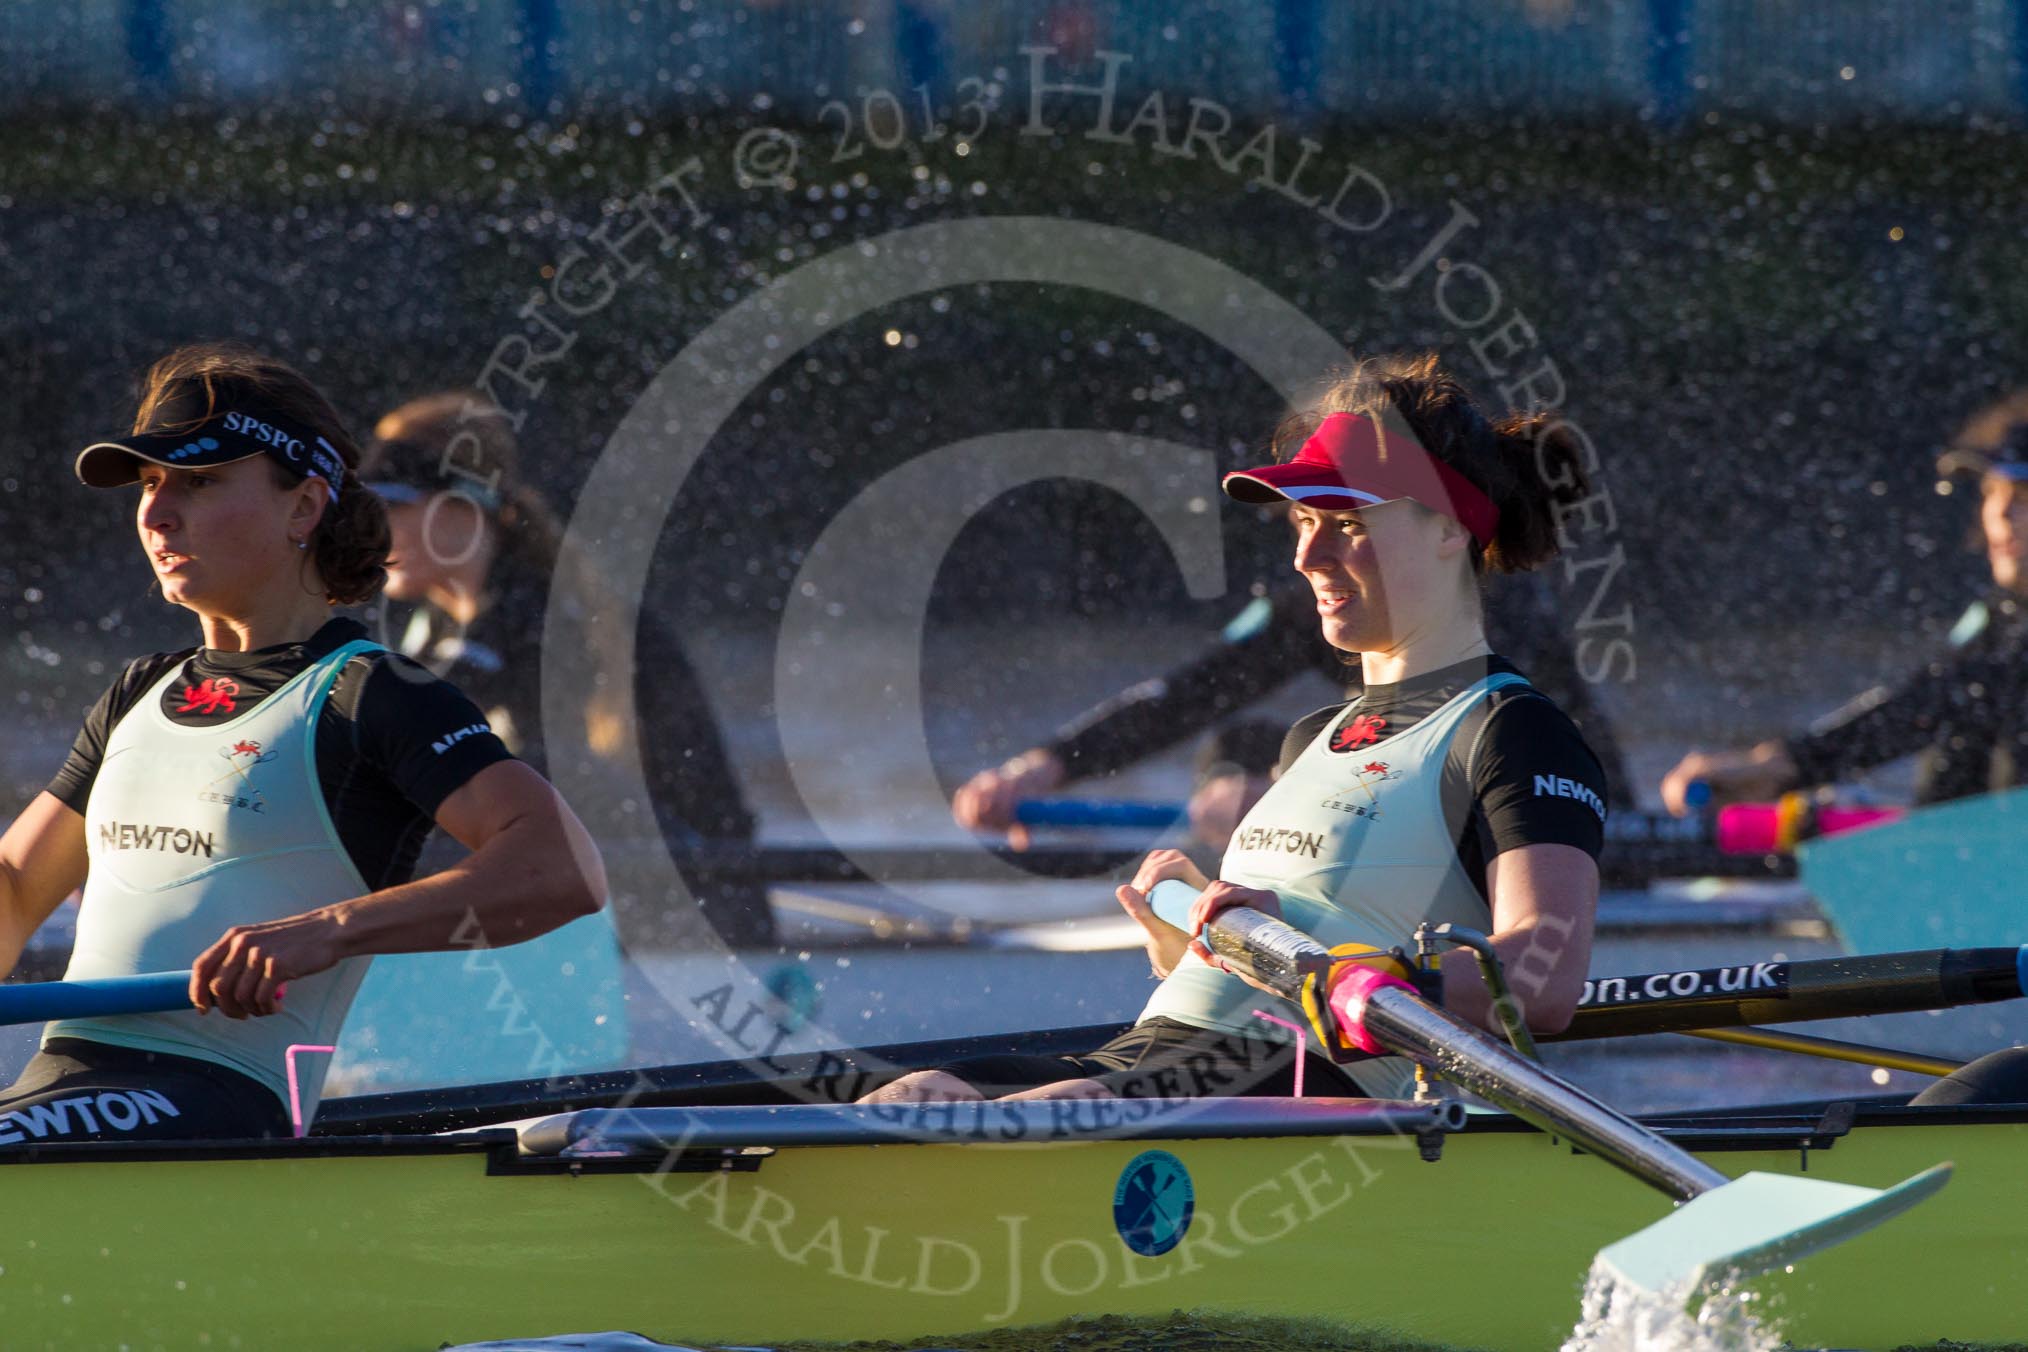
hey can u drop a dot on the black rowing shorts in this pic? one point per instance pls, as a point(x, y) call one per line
point(1161, 1058)
point(77, 1090)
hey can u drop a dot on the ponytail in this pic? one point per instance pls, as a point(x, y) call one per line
point(1544, 459)
point(351, 543)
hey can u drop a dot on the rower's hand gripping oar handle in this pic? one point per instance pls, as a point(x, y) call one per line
point(1326, 982)
point(149, 993)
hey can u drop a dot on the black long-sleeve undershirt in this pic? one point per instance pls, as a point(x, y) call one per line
point(1278, 637)
point(497, 660)
point(1962, 710)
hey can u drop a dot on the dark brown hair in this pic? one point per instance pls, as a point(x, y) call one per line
point(351, 539)
point(1997, 431)
point(1529, 464)
point(1997, 424)
point(459, 441)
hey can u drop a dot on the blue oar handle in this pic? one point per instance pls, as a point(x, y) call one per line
point(149, 993)
point(1099, 812)
point(1172, 900)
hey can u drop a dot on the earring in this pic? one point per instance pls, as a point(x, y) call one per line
point(302, 544)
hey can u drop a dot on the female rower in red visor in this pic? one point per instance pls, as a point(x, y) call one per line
point(1449, 790)
point(251, 807)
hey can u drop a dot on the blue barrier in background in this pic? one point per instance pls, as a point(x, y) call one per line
point(1667, 61)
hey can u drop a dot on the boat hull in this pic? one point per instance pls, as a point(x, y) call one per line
point(414, 1242)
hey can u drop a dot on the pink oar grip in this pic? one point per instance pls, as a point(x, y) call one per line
point(1348, 1003)
point(1756, 828)
point(1749, 828)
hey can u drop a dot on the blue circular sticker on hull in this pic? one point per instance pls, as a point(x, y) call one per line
point(1153, 1203)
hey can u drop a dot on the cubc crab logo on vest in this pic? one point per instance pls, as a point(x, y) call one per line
point(238, 789)
point(210, 697)
point(1359, 797)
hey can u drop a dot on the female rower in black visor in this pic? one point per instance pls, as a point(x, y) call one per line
point(1449, 790)
point(1964, 711)
point(251, 807)
point(476, 556)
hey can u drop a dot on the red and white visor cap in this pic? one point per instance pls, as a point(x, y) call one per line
point(1356, 460)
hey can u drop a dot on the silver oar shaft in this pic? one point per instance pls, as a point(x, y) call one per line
point(1272, 951)
point(1498, 1074)
point(1279, 955)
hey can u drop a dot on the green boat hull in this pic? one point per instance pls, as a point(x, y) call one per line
point(416, 1242)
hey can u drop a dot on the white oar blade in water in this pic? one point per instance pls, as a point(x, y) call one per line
point(1757, 1223)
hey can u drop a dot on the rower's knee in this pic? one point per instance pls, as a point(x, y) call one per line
point(924, 1086)
point(1997, 1077)
point(1063, 1089)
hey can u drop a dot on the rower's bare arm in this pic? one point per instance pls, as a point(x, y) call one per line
point(1545, 899)
point(1762, 771)
point(987, 800)
point(42, 861)
point(532, 867)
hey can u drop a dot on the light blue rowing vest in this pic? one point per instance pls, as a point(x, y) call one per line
point(1355, 844)
point(194, 830)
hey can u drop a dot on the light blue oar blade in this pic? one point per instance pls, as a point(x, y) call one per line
point(1755, 1224)
point(555, 1005)
point(1943, 876)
